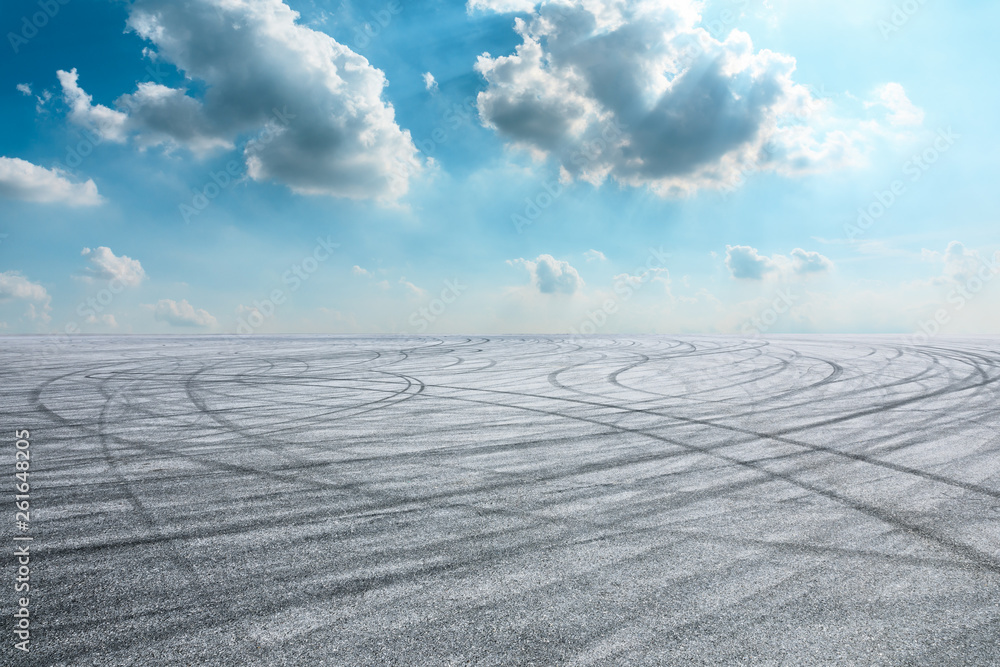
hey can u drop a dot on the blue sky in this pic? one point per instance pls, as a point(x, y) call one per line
point(498, 167)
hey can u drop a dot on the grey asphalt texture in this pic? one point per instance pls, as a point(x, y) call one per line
point(513, 500)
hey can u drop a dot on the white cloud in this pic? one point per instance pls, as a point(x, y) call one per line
point(181, 314)
point(638, 92)
point(645, 275)
point(501, 6)
point(418, 292)
point(429, 82)
point(358, 271)
point(594, 255)
point(902, 112)
point(109, 124)
point(14, 286)
point(804, 262)
point(960, 265)
point(40, 100)
point(20, 179)
point(746, 263)
point(312, 107)
point(550, 275)
point(105, 265)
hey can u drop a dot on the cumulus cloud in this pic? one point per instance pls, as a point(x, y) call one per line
point(550, 275)
point(594, 256)
point(108, 123)
point(746, 263)
point(105, 265)
point(24, 89)
point(809, 262)
point(429, 82)
point(359, 271)
point(311, 107)
point(640, 93)
point(960, 265)
point(14, 286)
point(902, 112)
point(181, 314)
point(20, 179)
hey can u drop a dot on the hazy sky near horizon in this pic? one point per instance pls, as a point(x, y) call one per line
point(499, 166)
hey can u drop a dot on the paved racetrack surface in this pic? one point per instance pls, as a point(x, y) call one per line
point(646, 500)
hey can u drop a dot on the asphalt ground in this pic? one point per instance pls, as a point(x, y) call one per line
point(652, 500)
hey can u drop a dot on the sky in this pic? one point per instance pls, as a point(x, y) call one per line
point(745, 167)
